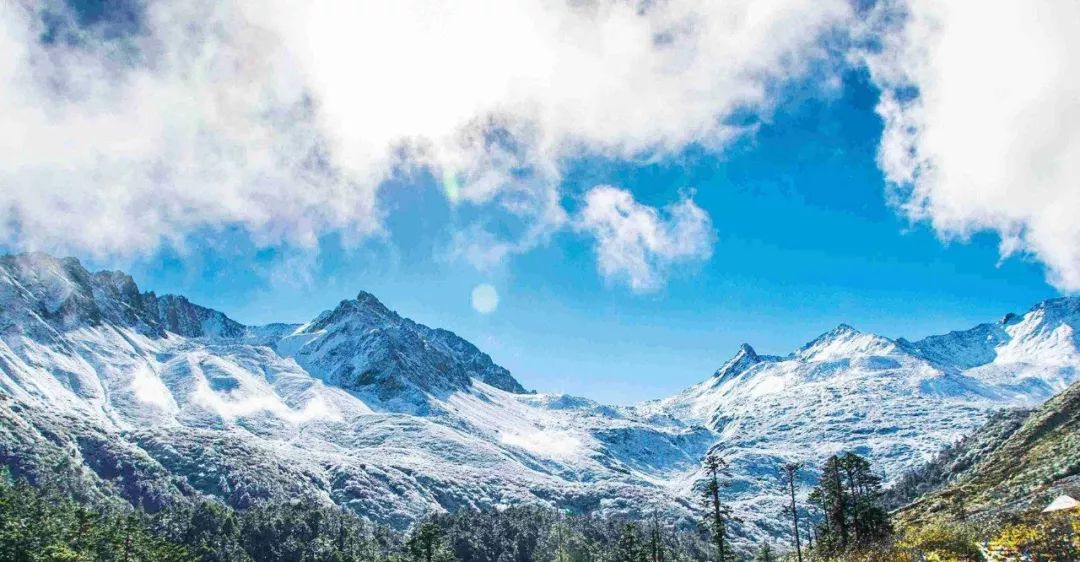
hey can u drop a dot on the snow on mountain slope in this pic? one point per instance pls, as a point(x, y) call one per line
point(897, 402)
point(157, 399)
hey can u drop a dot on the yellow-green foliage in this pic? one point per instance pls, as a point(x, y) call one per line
point(937, 542)
point(1046, 538)
point(1031, 537)
point(941, 542)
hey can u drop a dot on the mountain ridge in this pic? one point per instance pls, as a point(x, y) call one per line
point(67, 293)
point(372, 411)
point(156, 417)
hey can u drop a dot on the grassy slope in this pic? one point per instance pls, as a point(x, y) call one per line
point(1024, 472)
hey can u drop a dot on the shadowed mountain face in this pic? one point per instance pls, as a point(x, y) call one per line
point(363, 345)
point(157, 400)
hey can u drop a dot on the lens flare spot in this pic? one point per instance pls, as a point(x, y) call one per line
point(485, 299)
point(451, 186)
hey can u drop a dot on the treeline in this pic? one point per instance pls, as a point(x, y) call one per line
point(526, 534)
point(42, 526)
point(46, 525)
point(841, 519)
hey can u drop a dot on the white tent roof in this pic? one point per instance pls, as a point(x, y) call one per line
point(1061, 504)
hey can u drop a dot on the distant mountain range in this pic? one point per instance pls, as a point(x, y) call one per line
point(157, 400)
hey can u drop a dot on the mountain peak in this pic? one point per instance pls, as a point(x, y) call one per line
point(364, 297)
point(61, 293)
point(839, 333)
point(386, 353)
point(743, 359)
point(366, 308)
point(843, 329)
point(371, 303)
point(177, 314)
point(1059, 308)
point(843, 341)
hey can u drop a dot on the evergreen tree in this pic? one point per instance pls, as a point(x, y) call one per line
point(718, 514)
point(427, 543)
point(869, 520)
point(849, 496)
point(832, 499)
point(630, 547)
point(789, 474)
point(656, 540)
point(765, 554)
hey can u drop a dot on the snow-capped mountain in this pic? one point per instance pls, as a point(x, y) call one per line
point(155, 399)
point(363, 346)
point(897, 402)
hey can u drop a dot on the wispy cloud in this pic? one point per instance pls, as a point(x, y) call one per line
point(637, 243)
point(285, 118)
point(982, 113)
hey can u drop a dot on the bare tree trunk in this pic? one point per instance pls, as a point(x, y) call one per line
point(792, 470)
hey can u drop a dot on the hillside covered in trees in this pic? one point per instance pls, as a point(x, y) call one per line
point(842, 519)
point(844, 516)
point(1026, 469)
point(983, 498)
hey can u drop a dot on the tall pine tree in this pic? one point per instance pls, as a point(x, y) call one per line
point(718, 514)
point(789, 474)
point(766, 554)
point(849, 496)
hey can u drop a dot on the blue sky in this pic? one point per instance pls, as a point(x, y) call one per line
point(805, 240)
point(304, 156)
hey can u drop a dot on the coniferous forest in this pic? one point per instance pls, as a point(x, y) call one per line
point(841, 519)
point(42, 524)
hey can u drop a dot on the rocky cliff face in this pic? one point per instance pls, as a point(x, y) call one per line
point(363, 346)
point(40, 291)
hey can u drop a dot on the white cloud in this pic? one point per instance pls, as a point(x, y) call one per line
point(109, 152)
point(992, 140)
point(637, 243)
point(283, 118)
